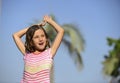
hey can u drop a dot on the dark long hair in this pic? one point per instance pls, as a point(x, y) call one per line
point(29, 47)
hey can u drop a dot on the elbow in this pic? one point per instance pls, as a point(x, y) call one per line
point(14, 35)
point(62, 31)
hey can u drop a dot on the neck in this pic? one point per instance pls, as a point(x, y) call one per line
point(38, 52)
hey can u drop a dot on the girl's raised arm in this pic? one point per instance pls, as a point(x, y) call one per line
point(17, 38)
point(60, 33)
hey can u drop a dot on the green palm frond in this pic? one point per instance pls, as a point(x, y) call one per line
point(75, 43)
point(72, 39)
point(50, 31)
point(112, 61)
point(110, 64)
point(76, 39)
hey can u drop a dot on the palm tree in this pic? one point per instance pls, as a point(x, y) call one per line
point(72, 39)
point(112, 61)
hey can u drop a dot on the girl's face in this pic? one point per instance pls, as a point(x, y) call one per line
point(39, 40)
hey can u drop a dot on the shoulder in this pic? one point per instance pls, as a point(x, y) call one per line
point(49, 52)
point(26, 55)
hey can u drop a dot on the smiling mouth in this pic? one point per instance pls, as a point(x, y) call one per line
point(41, 43)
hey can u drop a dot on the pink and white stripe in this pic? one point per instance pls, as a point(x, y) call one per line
point(37, 67)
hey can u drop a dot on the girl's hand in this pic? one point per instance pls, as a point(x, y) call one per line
point(47, 19)
point(43, 23)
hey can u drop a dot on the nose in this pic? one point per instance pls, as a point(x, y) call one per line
point(40, 38)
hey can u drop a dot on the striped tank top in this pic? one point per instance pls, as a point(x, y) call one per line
point(37, 68)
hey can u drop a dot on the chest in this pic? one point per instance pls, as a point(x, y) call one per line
point(36, 63)
point(37, 59)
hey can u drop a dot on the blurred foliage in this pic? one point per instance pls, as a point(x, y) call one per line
point(75, 43)
point(112, 60)
point(73, 39)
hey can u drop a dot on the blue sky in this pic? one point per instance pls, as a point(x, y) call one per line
point(97, 20)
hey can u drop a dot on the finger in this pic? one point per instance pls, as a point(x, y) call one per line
point(42, 23)
point(45, 18)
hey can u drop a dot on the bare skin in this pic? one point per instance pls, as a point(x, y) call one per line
point(39, 39)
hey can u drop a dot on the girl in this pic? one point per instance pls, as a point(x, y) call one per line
point(38, 54)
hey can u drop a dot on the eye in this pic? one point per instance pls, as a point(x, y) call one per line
point(36, 37)
point(42, 35)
